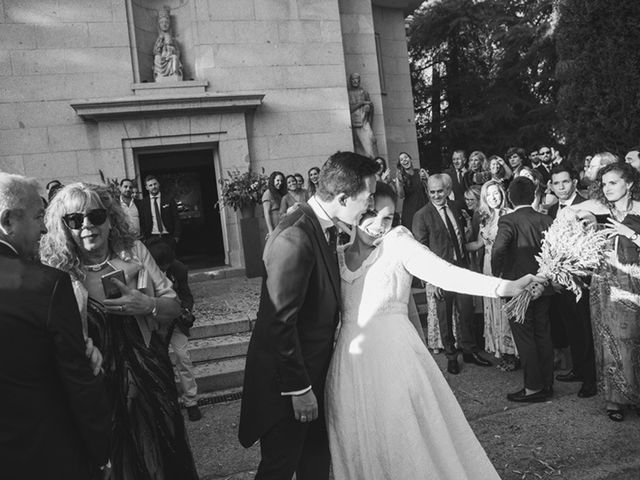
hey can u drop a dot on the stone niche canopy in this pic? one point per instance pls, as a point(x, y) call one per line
point(142, 17)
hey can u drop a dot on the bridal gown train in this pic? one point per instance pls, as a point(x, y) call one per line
point(390, 413)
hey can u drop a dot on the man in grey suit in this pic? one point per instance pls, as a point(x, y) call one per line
point(439, 225)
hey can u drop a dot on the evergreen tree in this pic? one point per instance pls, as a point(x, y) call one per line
point(599, 73)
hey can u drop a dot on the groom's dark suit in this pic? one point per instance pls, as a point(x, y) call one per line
point(55, 422)
point(291, 348)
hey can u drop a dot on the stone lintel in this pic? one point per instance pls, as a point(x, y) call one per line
point(156, 105)
point(407, 6)
point(170, 88)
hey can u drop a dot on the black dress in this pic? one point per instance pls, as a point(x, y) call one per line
point(414, 198)
point(149, 437)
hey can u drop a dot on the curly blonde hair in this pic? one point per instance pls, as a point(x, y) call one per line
point(57, 247)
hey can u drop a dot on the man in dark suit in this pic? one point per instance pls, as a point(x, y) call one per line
point(130, 204)
point(546, 163)
point(457, 173)
point(575, 316)
point(439, 225)
point(292, 342)
point(518, 240)
point(159, 216)
point(54, 416)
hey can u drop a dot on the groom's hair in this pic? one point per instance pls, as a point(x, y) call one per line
point(344, 172)
point(522, 191)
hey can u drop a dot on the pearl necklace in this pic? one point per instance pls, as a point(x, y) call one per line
point(98, 266)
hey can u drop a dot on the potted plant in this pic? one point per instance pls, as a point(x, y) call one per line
point(243, 190)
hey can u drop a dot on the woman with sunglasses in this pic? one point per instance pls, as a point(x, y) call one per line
point(89, 237)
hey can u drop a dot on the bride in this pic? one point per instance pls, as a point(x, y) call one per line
point(390, 412)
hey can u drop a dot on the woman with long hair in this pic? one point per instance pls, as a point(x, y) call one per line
point(615, 289)
point(271, 199)
point(294, 195)
point(410, 188)
point(90, 238)
point(498, 338)
point(500, 171)
point(314, 176)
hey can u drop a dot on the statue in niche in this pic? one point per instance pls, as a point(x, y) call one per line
point(361, 107)
point(166, 61)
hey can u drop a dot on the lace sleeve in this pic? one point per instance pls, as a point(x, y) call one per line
point(421, 262)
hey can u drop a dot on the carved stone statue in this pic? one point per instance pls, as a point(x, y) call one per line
point(166, 61)
point(361, 107)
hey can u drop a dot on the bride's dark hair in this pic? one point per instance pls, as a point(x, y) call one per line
point(386, 191)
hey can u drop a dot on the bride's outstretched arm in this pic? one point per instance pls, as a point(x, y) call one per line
point(423, 263)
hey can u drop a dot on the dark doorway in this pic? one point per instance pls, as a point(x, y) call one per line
point(189, 177)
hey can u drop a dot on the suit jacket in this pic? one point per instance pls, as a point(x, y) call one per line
point(430, 230)
point(518, 240)
point(553, 209)
point(546, 175)
point(457, 187)
point(55, 421)
point(292, 341)
point(168, 212)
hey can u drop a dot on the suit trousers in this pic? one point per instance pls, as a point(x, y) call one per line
point(577, 319)
point(179, 344)
point(464, 303)
point(293, 447)
point(533, 339)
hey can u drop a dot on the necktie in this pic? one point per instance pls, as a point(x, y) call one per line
point(452, 234)
point(156, 207)
point(561, 206)
point(332, 234)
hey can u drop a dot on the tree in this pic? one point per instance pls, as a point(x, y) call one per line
point(599, 74)
point(482, 75)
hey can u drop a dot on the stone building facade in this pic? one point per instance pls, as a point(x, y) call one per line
point(265, 85)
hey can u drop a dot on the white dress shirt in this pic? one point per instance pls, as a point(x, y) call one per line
point(133, 215)
point(154, 223)
point(454, 222)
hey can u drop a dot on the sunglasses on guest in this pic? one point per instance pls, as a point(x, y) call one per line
point(96, 217)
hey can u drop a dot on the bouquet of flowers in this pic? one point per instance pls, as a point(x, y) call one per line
point(243, 189)
point(571, 251)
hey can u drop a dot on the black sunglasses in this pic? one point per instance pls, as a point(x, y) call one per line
point(74, 221)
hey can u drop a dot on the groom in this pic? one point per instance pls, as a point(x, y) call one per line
point(292, 342)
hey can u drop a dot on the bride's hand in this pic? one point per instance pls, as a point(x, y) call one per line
point(512, 288)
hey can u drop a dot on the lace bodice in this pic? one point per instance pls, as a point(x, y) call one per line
point(382, 284)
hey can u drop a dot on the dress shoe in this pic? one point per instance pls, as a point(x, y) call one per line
point(475, 358)
point(568, 377)
point(453, 367)
point(588, 390)
point(548, 391)
point(521, 396)
point(194, 413)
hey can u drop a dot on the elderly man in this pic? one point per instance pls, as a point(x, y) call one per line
point(598, 161)
point(439, 225)
point(54, 416)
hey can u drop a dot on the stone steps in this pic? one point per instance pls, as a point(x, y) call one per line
point(220, 337)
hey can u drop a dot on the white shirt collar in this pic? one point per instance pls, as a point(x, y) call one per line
point(4, 242)
point(569, 200)
point(323, 218)
point(521, 206)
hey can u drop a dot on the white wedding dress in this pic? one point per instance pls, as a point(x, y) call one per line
point(390, 413)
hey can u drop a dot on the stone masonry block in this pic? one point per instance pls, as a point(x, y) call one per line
point(8, 116)
point(86, 10)
point(112, 134)
point(308, 99)
point(111, 162)
point(309, 76)
point(5, 63)
point(74, 137)
point(355, 6)
point(259, 78)
point(88, 161)
point(45, 114)
point(360, 44)
point(300, 31)
point(332, 31)
point(23, 140)
point(256, 32)
point(216, 33)
point(24, 11)
point(275, 10)
point(111, 34)
point(38, 62)
point(98, 60)
point(319, 54)
point(51, 165)
point(12, 164)
point(62, 35)
point(17, 36)
point(318, 10)
point(178, 125)
point(356, 24)
point(235, 10)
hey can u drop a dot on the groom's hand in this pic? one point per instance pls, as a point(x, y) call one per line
point(305, 407)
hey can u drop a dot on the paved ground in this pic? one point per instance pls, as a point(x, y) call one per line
point(565, 438)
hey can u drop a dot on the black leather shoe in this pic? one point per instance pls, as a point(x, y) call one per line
point(521, 396)
point(568, 377)
point(476, 359)
point(588, 390)
point(453, 367)
point(548, 391)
